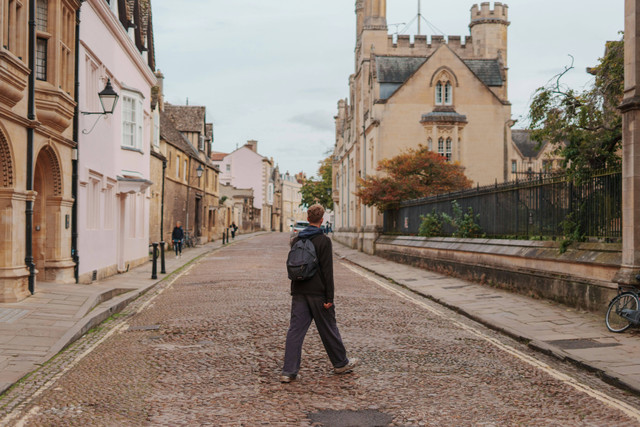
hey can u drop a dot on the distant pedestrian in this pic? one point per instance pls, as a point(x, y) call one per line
point(312, 299)
point(234, 228)
point(177, 236)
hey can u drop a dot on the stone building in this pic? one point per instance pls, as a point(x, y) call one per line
point(37, 144)
point(245, 216)
point(191, 190)
point(529, 158)
point(291, 200)
point(447, 94)
point(114, 151)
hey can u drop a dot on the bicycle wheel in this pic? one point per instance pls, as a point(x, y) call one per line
point(615, 321)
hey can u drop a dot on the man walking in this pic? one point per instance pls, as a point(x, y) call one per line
point(312, 299)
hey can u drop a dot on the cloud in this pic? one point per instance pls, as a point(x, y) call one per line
point(318, 120)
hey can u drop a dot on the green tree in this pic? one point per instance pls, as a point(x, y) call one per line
point(412, 174)
point(319, 190)
point(585, 127)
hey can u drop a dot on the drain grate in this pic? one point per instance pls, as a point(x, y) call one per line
point(579, 344)
point(364, 418)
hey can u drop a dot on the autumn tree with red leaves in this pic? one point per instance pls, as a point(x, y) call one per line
point(413, 174)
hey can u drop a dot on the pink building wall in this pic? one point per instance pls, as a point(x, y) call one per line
point(245, 172)
point(113, 196)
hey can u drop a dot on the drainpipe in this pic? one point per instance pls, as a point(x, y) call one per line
point(76, 158)
point(29, 260)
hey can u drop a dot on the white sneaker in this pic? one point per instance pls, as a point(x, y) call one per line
point(352, 363)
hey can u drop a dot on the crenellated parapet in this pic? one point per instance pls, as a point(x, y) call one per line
point(421, 45)
point(485, 15)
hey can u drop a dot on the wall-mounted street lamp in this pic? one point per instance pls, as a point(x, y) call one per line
point(199, 171)
point(108, 100)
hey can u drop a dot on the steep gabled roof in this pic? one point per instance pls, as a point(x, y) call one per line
point(397, 69)
point(487, 70)
point(169, 133)
point(394, 71)
point(186, 118)
point(528, 147)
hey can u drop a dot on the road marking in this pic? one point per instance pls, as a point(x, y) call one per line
point(600, 396)
point(117, 329)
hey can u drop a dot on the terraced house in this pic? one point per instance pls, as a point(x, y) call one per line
point(37, 143)
point(114, 178)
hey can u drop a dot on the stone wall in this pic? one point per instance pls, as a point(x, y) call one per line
point(582, 277)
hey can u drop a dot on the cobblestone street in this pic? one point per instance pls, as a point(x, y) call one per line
point(206, 349)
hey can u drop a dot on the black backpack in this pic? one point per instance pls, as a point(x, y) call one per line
point(302, 262)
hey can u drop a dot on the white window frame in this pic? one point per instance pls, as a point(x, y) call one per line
point(177, 166)
point(439, 93)
point(132, 104)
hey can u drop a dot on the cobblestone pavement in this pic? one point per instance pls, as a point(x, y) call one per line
point(205, 348)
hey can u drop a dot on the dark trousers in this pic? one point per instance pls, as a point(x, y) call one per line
point(177, 246)
point(305, 308)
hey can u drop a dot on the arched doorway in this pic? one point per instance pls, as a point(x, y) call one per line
point(47, 221)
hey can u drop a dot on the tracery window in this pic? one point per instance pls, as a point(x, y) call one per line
point(441, 146)
point(444, 90)
point(449, 147)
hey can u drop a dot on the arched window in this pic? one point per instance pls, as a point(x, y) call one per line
point(448, 150)
point(430, 144)
point(444, 91)
point(441, 146)
point(448, 94)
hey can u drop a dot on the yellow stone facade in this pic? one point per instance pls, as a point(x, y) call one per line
point(53, 145)
point(448, 94)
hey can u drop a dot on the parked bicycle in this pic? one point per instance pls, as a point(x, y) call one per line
point(624, 309)
point(191, 241)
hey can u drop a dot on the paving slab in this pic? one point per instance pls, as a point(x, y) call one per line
point(564, 332)
point(36, 329)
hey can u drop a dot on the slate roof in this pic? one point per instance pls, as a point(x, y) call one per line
point(397, 69)
point(186, 118)
point(169, 133)
point(443, 116)
point(487, 70)
point(528, 147)
point(394, 71)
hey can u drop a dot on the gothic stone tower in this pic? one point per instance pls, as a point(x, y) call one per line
point(448, 94)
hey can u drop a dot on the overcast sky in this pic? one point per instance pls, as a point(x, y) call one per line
point(274, 70)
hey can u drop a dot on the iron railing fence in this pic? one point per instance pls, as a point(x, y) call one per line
point(536, 208)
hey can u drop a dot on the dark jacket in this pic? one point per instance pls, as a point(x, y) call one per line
point(177, 234)
point(322, 283)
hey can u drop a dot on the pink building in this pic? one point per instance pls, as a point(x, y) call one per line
point(245, 168)
point(116, 44)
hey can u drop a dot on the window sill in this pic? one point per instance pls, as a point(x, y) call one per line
point(137, 150)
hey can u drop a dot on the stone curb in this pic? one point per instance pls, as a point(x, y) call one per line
point(602, 372)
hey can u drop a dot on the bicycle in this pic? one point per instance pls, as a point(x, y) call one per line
point(190, 241)
point(624, 310)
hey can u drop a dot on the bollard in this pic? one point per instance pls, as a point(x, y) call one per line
point(227, 235)
point(163, 269)
point(154, 267)
point(223, 238)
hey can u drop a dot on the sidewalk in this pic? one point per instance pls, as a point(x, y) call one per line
point(579, 337)
point(36, 329)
